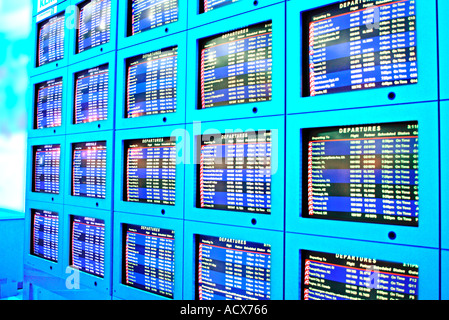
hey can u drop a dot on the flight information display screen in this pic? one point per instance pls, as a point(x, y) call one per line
point(46, 168)
point(145, 15)
point(150, 170)
point(353, 45)
point(94, 25)
point(89, 169)
point(87, 244)
point(151, 83)
point(50, 40)
point(366, 173)
point(236, 67)
point(45, 233)
point(232, 269)
point(327, 276)
point(149, 259)
point(209, 5)
point(234, 172)
point(91, 95)
point(48, 104)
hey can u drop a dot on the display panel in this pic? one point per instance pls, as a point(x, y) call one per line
point(87, 244)
point(94, 24)
point(44, 234)
point(236, 67)
point(145, 15)
point(50, 40)
point(89, 169)
point(151, 83)
point(91, 95)
point(209, 5)
point(48, 104)
point(359, 45)
point(46, 168)
point(150, 170)
point(149, 259)
point(232, 269)
point(234, 172)
point(366, 173)
point(328, 276)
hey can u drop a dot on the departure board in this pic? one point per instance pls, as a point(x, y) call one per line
point(150, 170)
point(353, 45)
point(145, 15)
point(366, 173)
point(151, 83)
point(46, 168)
point(234, 172)
point(91, 95)
point(328, 276)
point(94, 25)
point(230, 269)
point(209, 5)
point(50, 40)
point(89, 169)
point(149, 259)
point(45, 233)
point(48, 104)
point(236, 67)
point(87, 244)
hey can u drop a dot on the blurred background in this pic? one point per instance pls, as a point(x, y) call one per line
point(15, 33)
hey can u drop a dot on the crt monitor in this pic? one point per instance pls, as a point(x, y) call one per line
point(355, 45)
point(50, 40)
point(44, 234)
point(46, 168)
point(209, 5)
point(48, 104)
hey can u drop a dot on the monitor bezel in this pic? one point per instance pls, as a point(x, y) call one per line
point(444, 275)
point(152, 209)
point(276, 106)
point(159, 119)
point(444, 154)
point(443, 45)
point(424, 90)
point(272, 221)
point(38, 9)
point(426, 234)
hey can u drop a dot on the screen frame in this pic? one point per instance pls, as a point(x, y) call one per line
point(276, 239)
point(157, 210)
point(443, 39)
point(123, 291)
point(444, 275)
point(426, 234)
point(276, 106)
point(444, 130)
point(427, 260)
point(424, 90)
point(159, 119)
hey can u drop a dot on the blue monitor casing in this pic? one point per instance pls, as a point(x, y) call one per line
point(444, 130)
point(124, 39)
point(178, 136)
point(158, 119)
point(423, 90)
point(427, 231)
point(41, 5)
point(273, 220)
point(443, 42)
point(273, 238)
point(90, 202)
point(270, 105)
point(124, 291)
point(105, 60)
point(444, 275)
point(426, 259)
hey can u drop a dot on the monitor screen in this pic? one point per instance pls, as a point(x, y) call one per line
point(44, 234)
point(91, 95)
point(50, 41)
point(151, 83)
point(89, 169)
point(48, 104)
point(149, 259)
point(87, 244)
point(366, 173)
point(327, 276)
point(46, 168)
point(353, 45)
point(234, 172)
point(150, 170)
point(94, 25)
point(209, 5)
point(145, 15)
point(235, 67)
point(232, 269)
